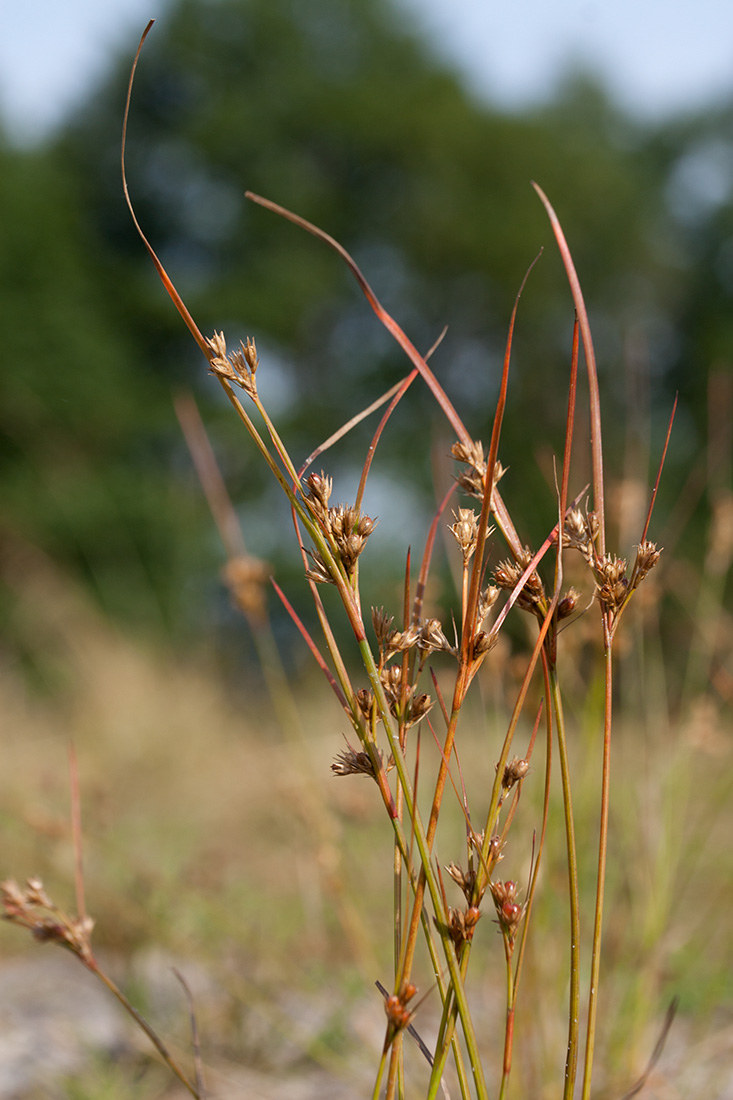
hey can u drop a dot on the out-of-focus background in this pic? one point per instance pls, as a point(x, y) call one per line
point(410, 131)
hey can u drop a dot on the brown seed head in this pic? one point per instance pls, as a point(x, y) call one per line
point(365, 701)
point(466, 880)
point(508, 574)
point(398, 1014)
point(318, 492)
point(580, 532)
point(575, 532)
point(508, 909)
point(462, 924)
point(28, 908)
point(483, 642)
point(400, 640)
point(239, 366)
point(318, 571)
point(495, 851)
point(514, 771)
point(470, 453)
point(432, 637)
point(350, 531)
point(567, 605)
point(647, 557)
point(391, 682)
point(428, 636)
point(613, 585)
point(465, 531)
point(351, 762)
point(486, 601)
point(382, 623)
point(417, 707)
point(472, 480)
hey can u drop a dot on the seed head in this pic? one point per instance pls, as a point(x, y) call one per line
point(400, 640)
point(365, 701)
point(350, 531)
point(514, 771)
point(508, 574)
point(496, 853)
point(508, 910)
point(398, 1015)
point(33, 909)
point(382, 623)
point(428, 636)
point(580, 531)
point(473, 480)
point(391, 679)
point(567, 605)
point(483, 642)
point(647, 557)
point(432, 638)
point(470, 453)
point(462, 924)
point(318, 571)
point(319, 489)
point(239, 366)
point(466, 880)
point(613, 584)
point(465, 531)
point(486, 601)
point(417, 708)
point(351, 762)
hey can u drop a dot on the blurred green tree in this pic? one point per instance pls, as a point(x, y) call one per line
point(339, 112)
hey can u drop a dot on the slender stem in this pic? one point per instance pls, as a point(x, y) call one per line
point(506, 1066)
point(571, 1061)
point(142, 1023)
point(602, 854)
point(398, 887)
point(395, 1058)
point(427, 874)
point(380, 1074)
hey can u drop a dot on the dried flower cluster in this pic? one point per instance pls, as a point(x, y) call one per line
point(345, 527)
point(613, 585)
point(427, 636)
point(398, 1015)
point(32, 908)
point(508, 574)
point(514, 771)
point(508, 910)
point(353, 762)
point(473, 480)
point(462, 924)
point(580, 532)
point(238, 366)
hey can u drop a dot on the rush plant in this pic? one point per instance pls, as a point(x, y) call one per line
point(398, 694)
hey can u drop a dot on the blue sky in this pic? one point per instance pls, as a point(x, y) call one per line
point(657, 57)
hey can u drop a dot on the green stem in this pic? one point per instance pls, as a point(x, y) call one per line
point(571, 1061)
point(509, 1031)
point(602, 854)
point(380, 1075)
point(427, 875)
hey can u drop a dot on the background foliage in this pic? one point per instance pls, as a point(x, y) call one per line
point(340, 113)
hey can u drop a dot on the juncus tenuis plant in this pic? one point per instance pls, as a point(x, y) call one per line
point(398, 695)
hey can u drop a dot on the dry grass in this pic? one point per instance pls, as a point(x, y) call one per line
point(199, 854)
